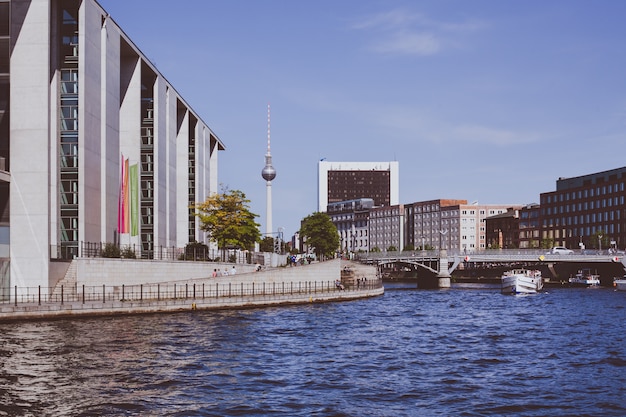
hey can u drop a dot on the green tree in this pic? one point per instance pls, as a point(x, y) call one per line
point(320, 233)
point(267, 244)
point(228, 220)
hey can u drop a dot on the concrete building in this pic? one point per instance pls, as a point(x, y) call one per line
point(386, 227)
point(97, 145)
point(424, 223)
point(449, 224)
point(343, 181)
point(351, 218)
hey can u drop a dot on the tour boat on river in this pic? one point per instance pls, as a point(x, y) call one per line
point(584, 278)
point(521, 281)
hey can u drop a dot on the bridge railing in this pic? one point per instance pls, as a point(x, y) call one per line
point(477, 256)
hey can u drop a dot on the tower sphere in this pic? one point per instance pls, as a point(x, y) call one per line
point(268, 173)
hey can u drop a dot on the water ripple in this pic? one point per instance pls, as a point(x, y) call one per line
point(407, 353)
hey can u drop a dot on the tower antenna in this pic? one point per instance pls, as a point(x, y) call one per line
point(268, 174)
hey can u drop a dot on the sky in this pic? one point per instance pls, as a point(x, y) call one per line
point(485, 100)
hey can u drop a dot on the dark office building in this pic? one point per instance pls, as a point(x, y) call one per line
point(586, 211)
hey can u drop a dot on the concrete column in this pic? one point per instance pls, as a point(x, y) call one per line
point(443, 276)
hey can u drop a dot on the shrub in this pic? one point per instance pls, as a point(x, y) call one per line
point(110, 250)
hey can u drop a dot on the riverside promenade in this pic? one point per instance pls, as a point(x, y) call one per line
point(312, 283)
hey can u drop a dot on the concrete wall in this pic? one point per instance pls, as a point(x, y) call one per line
point(117, 272)
point(30, 149)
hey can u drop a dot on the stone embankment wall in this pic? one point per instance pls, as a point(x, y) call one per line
point(117, 272)
point(192, 290)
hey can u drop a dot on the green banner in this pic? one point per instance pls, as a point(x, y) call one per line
point(134, 199)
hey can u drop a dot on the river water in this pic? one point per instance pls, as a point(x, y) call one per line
point(461, 352)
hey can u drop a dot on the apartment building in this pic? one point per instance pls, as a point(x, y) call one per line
point(386, 227)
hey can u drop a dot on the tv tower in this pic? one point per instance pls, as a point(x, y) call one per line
point(268, 174)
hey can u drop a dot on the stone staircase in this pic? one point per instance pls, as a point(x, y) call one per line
point(68, 283)
point(351, 271)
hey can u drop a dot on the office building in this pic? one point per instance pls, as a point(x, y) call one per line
point(586, 211)
point(97, 145)
point(343, 181)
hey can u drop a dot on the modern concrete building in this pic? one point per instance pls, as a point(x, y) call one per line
point(97, 145)
point(343, 181)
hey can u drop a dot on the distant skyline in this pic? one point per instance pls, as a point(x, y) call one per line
point(488, 101)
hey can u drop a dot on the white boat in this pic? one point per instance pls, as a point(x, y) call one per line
point(521, 281)
point(584, 278)
point(620, 283)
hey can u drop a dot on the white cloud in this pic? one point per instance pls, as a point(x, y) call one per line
point(408, 44)
point(403, 32)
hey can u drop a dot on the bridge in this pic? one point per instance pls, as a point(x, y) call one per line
point(442, 263)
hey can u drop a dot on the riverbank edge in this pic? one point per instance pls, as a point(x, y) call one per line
point(94, 309)
point(329, 269)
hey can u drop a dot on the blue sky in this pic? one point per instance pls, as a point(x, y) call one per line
point(488, 101)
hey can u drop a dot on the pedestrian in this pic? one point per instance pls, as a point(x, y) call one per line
point(233, 271)
point(214, 273)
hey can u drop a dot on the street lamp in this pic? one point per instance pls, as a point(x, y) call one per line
point(442, 234)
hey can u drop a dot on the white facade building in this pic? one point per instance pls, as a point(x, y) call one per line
point(102, 147)
point(343, 181)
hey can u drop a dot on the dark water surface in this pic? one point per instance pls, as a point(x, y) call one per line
point(461, 352)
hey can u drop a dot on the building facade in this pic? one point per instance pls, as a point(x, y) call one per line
point(98, 145)
point(425, 226)
point(343, 181)
point(449, 224)
point(351, 218)
point(588, 211)
point(386, 228)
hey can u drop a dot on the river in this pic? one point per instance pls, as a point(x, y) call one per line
point(462, 352)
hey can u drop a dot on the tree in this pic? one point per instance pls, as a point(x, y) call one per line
point(320, 233)
point(228, 220)
point(267, 244)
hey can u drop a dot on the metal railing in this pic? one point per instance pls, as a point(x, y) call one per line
point(82, 294)
point(161, 253)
